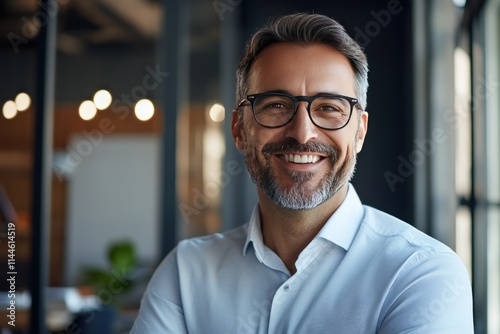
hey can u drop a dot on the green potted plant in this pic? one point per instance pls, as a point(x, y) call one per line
point(109, 285)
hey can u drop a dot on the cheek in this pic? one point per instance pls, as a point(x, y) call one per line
point(257, 136)
point(345, 143)
point(339, 139)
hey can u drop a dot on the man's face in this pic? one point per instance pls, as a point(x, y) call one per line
point(299, 166)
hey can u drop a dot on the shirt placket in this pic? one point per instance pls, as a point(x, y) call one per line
point(288, 292)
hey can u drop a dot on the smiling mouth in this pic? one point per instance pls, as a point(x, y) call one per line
point(300, 158)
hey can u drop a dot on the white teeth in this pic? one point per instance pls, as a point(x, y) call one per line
point(300, 159)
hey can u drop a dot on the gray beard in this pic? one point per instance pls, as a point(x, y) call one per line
point(296, 197)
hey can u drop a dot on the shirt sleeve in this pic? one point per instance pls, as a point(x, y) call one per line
point(161, 307)
point(432, 295)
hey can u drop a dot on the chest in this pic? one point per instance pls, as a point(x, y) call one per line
point(324, 296)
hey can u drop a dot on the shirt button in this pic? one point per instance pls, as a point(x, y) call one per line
point(286, 287)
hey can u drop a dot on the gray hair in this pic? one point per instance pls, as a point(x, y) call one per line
point(304, 28)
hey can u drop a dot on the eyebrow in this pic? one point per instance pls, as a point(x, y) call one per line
point(282, 91)
point(279, 91)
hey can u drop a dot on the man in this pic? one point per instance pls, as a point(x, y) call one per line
point(312, 259)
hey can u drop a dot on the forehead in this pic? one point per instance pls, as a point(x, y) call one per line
point(302, 70)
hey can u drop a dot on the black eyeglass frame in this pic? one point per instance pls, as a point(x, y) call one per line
point(353, 102)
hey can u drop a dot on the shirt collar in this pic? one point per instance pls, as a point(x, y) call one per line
point(339, 229)
point(342, 226)
point(254, 234)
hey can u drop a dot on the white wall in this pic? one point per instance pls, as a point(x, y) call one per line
point(113, 188)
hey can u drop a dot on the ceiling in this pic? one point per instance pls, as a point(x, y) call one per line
point(83, 23)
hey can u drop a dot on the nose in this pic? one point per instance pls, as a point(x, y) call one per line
point(301, 127)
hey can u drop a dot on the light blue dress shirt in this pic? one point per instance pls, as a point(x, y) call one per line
point(365, 272)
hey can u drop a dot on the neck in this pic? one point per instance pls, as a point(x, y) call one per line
point(287, 232)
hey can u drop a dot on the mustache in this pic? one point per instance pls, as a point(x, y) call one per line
point(292, 145)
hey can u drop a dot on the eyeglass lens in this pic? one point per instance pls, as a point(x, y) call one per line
point(277, 110)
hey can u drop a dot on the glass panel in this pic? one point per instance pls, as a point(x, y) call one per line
point(18, 70)
point(486, 48)
point(492, 192)
point(201, 145)
point(493, 217)
point(462, 124)
point(105, 168)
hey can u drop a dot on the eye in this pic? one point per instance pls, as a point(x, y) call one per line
point(328, 107)
point(275, 105)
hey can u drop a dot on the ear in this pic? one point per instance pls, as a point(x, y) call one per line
point(236, 130)
point(362, 130)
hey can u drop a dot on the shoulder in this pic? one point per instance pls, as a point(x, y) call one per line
point(197, 254)
point(403, 247)
point(213, 247)
point(390, 229)
point(427, 285)
point(227, 239)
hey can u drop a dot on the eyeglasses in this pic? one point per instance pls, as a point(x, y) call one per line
point(326, 111)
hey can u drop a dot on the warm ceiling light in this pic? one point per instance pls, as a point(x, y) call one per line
point(144, 109)
point(102, 99)
point(87, 110)
point(23, 101)
point(217, 112)
point(9, 109)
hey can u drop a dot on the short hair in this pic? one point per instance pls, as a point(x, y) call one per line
point(305, 28)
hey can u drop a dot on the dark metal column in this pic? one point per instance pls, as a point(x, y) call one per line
point(171, 47)
point(44, 119)
point(478, 183)
point(239, 196)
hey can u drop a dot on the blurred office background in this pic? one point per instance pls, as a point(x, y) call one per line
point(136, 152)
